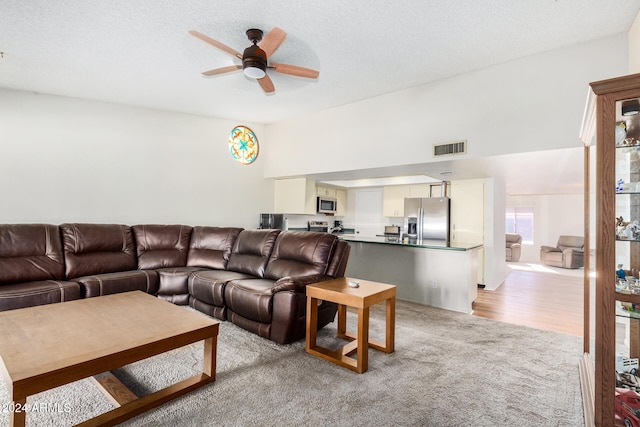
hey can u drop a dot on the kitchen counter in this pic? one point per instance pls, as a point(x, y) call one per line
point(347, 231)
point(428, 244)
point(431, 273)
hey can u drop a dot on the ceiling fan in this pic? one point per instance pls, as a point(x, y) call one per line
point(254, 59)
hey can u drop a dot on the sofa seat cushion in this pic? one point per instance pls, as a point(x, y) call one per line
point(250, 298)
point(208, 285)
point(28, 294)
point(173, 286)
point(123, 281)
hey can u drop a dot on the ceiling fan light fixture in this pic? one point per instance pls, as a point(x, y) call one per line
point(254, 72)
point(254, 62)
point(631, 107)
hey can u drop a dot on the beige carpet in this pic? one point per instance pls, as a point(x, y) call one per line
point(449, 369)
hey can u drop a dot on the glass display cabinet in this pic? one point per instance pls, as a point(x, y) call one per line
point(615, 105)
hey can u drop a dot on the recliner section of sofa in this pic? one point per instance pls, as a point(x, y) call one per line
point(249, 254)
point(254, 278)
point(253, 303)
point(209, 253)
point(32, 267)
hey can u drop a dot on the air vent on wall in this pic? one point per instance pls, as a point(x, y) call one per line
point(459, 147)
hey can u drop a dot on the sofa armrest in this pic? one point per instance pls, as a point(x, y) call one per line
point(549, 249)
point(297, 284)
point(516, 250)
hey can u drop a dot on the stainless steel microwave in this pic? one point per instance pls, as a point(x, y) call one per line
point(327, 205)
point(272, 221)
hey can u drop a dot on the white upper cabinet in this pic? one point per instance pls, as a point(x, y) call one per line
point(326, 191)
point(295, 196)
point(393, 200)
point(394, 195)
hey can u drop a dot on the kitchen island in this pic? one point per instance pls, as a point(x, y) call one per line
point(428, 272)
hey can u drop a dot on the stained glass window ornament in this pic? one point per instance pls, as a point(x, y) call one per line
point(243, 145)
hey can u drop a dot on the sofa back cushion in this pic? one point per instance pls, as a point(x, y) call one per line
point(251, 251)
point(97, 248)
point(30, 252)
point(300, 253)
point(512, 238)
point(160, 246)
point(211, 246)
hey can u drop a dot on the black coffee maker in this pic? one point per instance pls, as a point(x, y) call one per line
point(338, 227)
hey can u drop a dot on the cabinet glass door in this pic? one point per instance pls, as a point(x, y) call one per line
point(627, 260)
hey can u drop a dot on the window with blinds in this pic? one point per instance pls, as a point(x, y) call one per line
point(520, 221)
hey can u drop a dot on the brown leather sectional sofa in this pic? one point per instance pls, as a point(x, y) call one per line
point(254, 278)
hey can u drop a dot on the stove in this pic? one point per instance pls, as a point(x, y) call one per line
point(322, 226)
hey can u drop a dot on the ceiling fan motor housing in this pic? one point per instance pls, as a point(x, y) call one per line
point(254, 57)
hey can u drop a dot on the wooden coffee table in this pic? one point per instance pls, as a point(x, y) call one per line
point(363, 297)
point(51, 345)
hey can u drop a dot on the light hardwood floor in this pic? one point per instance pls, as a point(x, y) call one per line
point(538, 297)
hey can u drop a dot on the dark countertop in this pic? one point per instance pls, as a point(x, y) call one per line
point(341, 233)
point(428, 244)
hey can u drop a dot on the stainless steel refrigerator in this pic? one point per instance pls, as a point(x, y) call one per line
point(427, 218)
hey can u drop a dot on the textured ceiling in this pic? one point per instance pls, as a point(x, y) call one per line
point(139, 52)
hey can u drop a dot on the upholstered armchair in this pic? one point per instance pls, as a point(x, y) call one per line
point(568, 253)
point(514, 247)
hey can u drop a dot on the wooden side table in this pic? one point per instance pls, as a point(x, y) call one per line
point(363, 297)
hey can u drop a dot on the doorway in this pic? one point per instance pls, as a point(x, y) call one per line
point(369, 220)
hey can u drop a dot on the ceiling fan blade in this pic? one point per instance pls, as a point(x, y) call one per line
point(215, 43)
point(266, 84)
point(222, 70)
point(272, 41)
point(294, 70)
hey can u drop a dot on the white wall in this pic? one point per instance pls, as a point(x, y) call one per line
point(494, 229)
point(531, 104)
point(554, 215)
point(634, 46)
point(69, 160)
